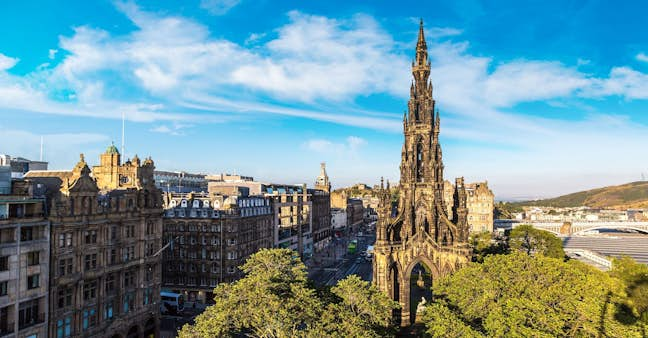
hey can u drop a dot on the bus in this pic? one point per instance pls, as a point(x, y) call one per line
point(171, 303)
point(353, 245)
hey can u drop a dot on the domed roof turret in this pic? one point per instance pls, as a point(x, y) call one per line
point(112, 149)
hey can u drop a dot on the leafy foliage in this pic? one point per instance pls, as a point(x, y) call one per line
point(485, 244)
point(274, 299)
point(530, 240)
point(519, 295)
point(635, 276)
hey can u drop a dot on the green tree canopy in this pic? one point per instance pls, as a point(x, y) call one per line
point(484, 244)
point(519, 295)
point(533, 241)
point(635, 276)
point(274, 299)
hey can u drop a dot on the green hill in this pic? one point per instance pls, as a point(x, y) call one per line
point(630, 195)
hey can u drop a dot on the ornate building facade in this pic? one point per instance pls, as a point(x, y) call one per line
point(321, 210)
point(419, 232)
point(480, 203)
point(24, 261)
point(212, 236)
point(106, 230)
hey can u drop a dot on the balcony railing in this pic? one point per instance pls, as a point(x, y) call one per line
point(40, 318)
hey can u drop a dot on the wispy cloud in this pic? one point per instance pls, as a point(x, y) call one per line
point(440, 32)
point(7, 62)
point(218, 7)
point(175, 129)
point(351, 145)
point(642, 57)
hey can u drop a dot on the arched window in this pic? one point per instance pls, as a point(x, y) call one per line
point(419, 162)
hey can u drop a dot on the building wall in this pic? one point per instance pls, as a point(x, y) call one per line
point(321, 210)
point(105, 271)
point(338, 219)
point(480, 202)
point(24, 264)
point(212, 236)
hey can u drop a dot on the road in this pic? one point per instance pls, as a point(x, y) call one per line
point(337, 263)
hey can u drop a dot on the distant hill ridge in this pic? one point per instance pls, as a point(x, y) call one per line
point(629, 195)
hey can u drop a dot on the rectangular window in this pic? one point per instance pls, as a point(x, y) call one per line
point(89, 318)
point(64, 327)
point(90, 236)
point(33, 281)
point(64, 297)
point(109, 310)
point(113, 232)
point(113, 256)
point(128, 302)
point(26, 234)
point(90, 262)
point(4, 263)
point(90, 290)
point(3, 288)
point(148, 293)
point(110, 283)
point(33, 258)
point(130, 231)
point(68, 239)
point(28, 314)
point(129, 253)
point(65, 266)
point(61, 244)
point(129, 279)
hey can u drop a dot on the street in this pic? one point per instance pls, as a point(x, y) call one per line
point(335, 263)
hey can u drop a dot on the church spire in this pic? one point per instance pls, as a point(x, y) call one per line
point(421, 47)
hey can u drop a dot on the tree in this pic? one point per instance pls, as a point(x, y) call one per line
point(519, 295)
point(359, 310)
point(272, 300)
point(483, 244)
point(275, 299)
point(635, 277)
point(533, 241)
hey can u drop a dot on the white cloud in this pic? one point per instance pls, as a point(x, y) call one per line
point(642, 57)
point(218, 7)
point(350, 147)
point(174, 129)
point(7, 62)
point(51, 54)
point(171, 69)
point(440, 32)
point(320, 58)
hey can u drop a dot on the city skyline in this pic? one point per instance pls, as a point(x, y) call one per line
point(205, 90)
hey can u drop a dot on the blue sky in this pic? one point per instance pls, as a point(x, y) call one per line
point(540, 99)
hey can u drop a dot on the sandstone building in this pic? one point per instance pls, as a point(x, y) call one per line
point(106, 232)
point(419, 237)
point(24, 261)
point(212, 236)
point(353, 208)
point(480, 203)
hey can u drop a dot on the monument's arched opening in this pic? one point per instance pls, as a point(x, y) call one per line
point(420, 286)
